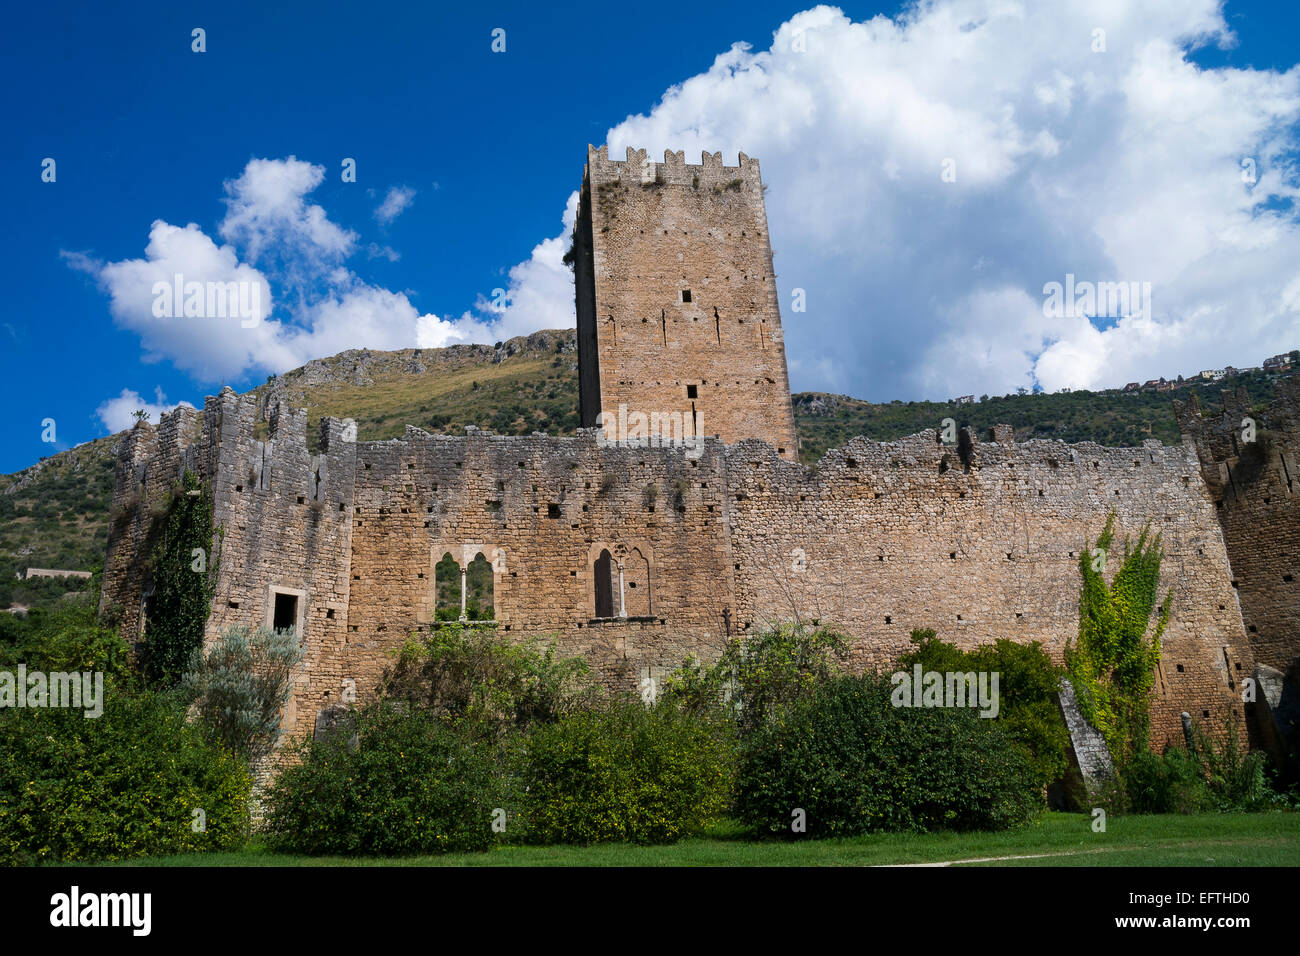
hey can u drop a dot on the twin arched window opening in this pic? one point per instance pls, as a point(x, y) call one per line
point(622, 587)
point(463, 594)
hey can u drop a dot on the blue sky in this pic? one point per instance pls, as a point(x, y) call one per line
point(916, 287)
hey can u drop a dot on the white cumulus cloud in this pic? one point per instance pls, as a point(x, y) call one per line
point(119, 413)
point(1123, 165)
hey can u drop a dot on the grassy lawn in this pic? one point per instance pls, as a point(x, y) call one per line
point(1260, 839)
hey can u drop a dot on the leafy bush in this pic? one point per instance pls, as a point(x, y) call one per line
point(241, 686)
point(1027, 688)
point(124, 784)
point(854, 763)
point(760, 673)
point(626, 772)
point(409, 784)
point(470, 673)
point(1214, 775)
point(1165, 783)
point(66, 637)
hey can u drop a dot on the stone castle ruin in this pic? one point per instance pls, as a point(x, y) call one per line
point(636, 553)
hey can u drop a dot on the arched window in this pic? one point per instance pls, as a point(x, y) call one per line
point(604, 569)
point(446, 583)
point(636, 584)
point(478, 589)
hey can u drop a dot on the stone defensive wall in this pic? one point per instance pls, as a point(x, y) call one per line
point(635, 557)
point(982, 540)
point(1257, 502)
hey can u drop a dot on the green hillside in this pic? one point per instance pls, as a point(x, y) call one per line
point(55, 513)
point(1110, 418)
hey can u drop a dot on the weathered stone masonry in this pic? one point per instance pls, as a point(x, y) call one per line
point(676, 297)
point(635, 557)
point(879, 540)
point(1256, 490)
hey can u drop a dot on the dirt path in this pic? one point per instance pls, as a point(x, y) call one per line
point(995, 859)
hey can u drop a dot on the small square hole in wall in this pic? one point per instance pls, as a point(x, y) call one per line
point(1205, 713)
point(959, 617)
point(552, 511)
point(889, 619)
point(686, 295)
point(302, 500)
point(953, 555)
point(1180, 668)
point(234, 604)
point(239, 487)
point(329, 613)
point(342, 507)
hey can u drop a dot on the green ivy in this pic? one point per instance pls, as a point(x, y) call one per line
point(1112, 664)
point(182, 596)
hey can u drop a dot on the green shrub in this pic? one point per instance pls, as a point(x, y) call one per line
point(124, 784)
point(854, 763)
point(1165, 783)
point(407, 784)
point(66, 637)
point(241, 686)
point(1214, 775)
point(1027, 686)
point(759, 673)
point(626, 772)
point(470, 673)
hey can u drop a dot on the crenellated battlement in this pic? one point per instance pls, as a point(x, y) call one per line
point(638, 170)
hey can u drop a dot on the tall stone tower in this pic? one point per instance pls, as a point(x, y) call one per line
point(676, 297)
